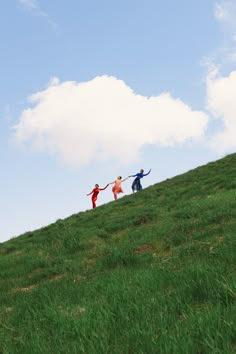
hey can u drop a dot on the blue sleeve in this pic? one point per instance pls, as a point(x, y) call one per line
point(147, 173)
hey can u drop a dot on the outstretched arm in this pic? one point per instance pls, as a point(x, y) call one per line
point(133, 175)
point(148, 172)
point(90, 193)
point(102, 189)
point(125, 179)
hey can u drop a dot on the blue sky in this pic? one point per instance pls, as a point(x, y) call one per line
point(95, 89)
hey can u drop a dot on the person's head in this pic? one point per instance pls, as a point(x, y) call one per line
point(141, 170)
point(119, 177)
point(96, 185)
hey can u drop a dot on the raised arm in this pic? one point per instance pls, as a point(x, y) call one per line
point(148, 172)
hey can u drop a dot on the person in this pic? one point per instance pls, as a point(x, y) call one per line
point(95, 193)
point(116, 189)
point(136, 185)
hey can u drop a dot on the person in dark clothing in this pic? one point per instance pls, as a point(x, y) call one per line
point(136, 185)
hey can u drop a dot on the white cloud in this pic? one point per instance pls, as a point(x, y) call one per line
point(225, 13)
point(221, 90)
point(29, 4)
point(220, 12)
point(225, 55)
point(221, 100)
point(103, 119)
point(34, 7)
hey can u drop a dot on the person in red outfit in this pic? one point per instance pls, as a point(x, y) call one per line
point(95, 193)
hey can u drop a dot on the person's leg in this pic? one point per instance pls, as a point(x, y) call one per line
point(139, 187)
point(94, 202)
point(133, 186)
point(115, 195)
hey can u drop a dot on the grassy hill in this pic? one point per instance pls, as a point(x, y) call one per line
point(154, 272)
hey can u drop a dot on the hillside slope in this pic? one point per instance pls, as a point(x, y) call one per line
point(154, 272)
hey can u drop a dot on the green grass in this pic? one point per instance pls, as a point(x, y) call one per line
point(154, 272)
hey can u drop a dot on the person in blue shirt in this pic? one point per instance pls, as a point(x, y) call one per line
point(136, 185)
